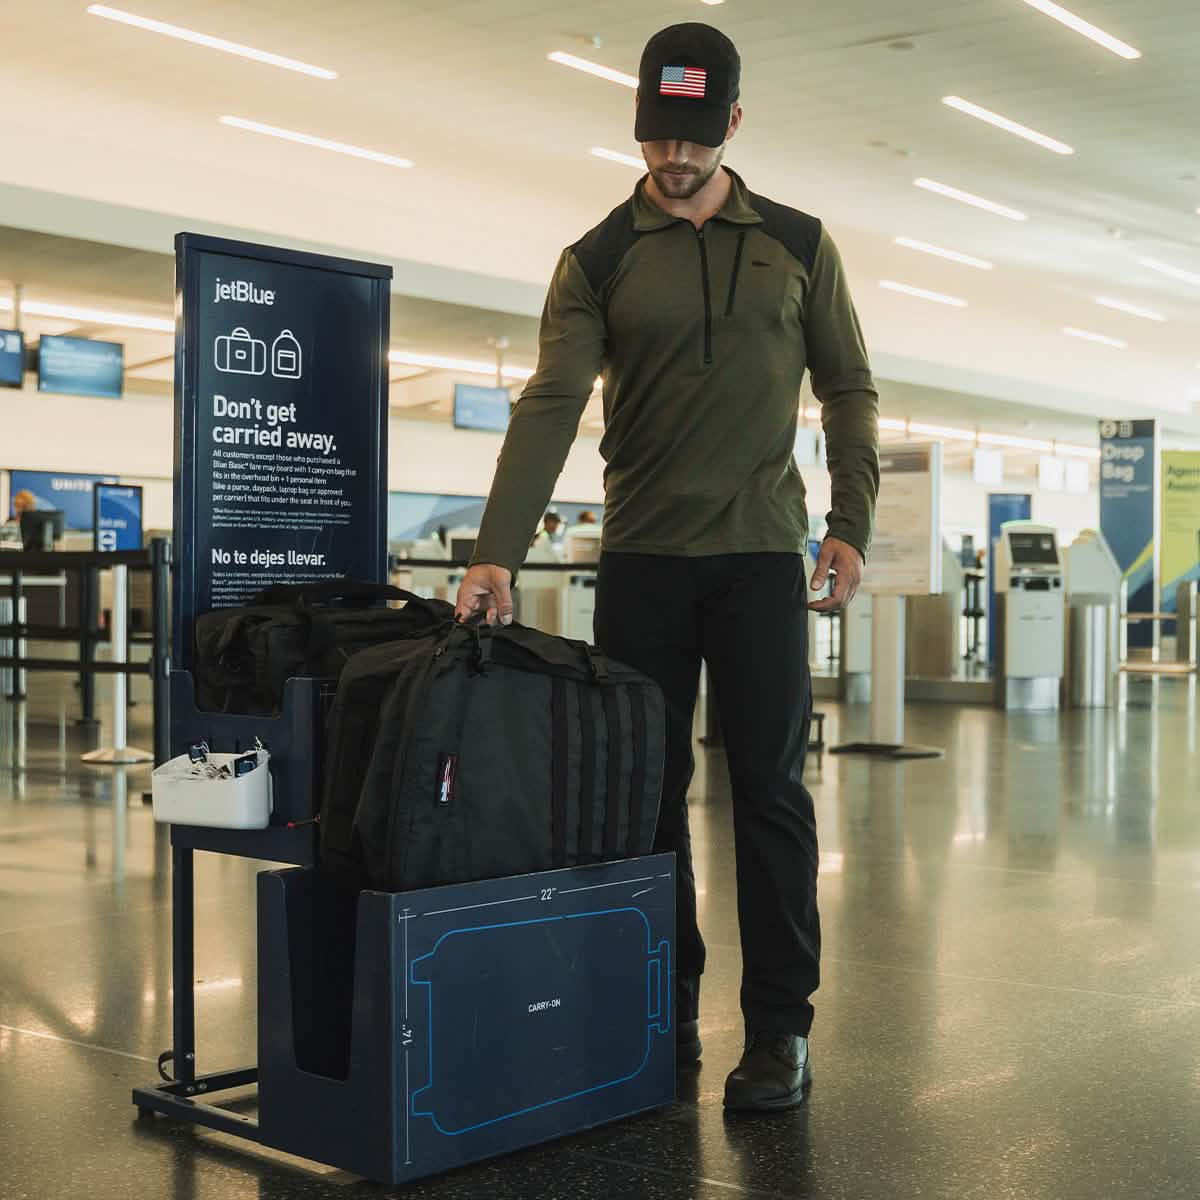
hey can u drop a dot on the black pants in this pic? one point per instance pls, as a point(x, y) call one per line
point(746, 616)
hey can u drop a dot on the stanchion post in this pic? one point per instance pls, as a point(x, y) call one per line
point(183, 913)
point(160, 656)
point(887, 670)
point(120, 753)
point(87, 643)
point(18, 642)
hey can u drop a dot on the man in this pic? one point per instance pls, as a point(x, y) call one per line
point(704, 304)
point(551, 524)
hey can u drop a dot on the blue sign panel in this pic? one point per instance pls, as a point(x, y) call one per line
point(68, 493)
point(79, 367)
point(281, 410)
point(118, 517)
point(12, 358)
point(487, 1016)
point(1127, 473)
point(484, 408)
point(1002, 506)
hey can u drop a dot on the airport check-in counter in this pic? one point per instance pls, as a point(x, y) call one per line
point(1030, 617)
point(1093, 637)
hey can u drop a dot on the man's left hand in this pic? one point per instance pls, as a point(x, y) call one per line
point(846, 562)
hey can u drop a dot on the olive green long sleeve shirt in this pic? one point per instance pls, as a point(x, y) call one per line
point(702, 338)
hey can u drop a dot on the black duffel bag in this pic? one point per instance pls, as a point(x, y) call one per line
point(476, 752)
point(245, 655)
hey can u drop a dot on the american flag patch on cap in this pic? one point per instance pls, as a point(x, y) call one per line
point(683, 81)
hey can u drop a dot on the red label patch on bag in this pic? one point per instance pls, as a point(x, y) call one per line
point(447, 773)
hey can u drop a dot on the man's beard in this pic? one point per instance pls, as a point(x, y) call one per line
point(676, 188)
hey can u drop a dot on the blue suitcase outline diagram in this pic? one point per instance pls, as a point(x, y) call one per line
point(658, 1012)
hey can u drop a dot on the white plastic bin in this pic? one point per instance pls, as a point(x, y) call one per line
point(183, 798)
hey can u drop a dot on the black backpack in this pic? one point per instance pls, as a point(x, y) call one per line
point(244, 655)
point(475, 752)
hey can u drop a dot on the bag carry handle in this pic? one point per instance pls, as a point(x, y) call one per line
point(354, 593)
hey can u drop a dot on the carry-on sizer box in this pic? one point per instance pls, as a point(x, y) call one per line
point(404, 1034)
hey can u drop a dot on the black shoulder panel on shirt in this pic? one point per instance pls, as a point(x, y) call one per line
point(799, 232)
point(599, 252)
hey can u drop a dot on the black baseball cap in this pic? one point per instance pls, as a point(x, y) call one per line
point(689, 78)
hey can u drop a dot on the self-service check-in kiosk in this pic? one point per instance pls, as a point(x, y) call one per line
point(1030, 616)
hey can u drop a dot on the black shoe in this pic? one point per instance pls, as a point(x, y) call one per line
point(774, 1073)
point(688, 1047)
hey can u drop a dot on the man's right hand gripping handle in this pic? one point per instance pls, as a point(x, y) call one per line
point(486, 589)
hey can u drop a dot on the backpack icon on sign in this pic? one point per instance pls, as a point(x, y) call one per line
point(285, 356)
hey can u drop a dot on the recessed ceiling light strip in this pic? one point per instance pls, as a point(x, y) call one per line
point(953, 193)
point(922, 294)
point(1100, 339)
point(616, 156)
point(1147, 314)
point(91, 316)
point(307, 139)
point(441, 362)
point(1172, 272)
point(592, 68)
point(1009, 126)
point(1065, 17)
point(204, 39)
point(967, 260)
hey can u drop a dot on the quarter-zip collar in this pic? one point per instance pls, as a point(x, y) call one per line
point(647, 216)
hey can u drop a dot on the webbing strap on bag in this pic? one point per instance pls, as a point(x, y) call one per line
point(637, 788)
point(587, 772)
point(612, 798)
point(558, 771)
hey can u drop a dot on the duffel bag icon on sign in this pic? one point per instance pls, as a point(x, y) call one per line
point(238, 353)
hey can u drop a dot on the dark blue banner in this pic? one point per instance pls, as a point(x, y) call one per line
point(80, 367)
point(281, 407)
point(64, 491)
point(12, 358)
point(1128, 462)
point(118, 517)
point(1002, 506)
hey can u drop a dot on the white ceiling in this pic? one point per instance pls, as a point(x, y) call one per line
point(838, 123)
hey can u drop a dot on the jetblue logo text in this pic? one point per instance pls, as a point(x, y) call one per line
point(243, 292)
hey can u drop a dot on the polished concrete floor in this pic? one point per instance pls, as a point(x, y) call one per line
point(1010, 1006)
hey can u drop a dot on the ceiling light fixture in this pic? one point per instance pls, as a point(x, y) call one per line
point(616, 156)
point(953, 193)
point(213, 43)
point(941, 252)
point(941, 431)
point(1071, 21)
point(1009, 126)
point(440, 362)
point(91, 316)
point(1147, 314)
point(937, 297)
point(1016, 443)
point(586, 65)
point(1099, 338)
point(307, 139)
point(1174, 272)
